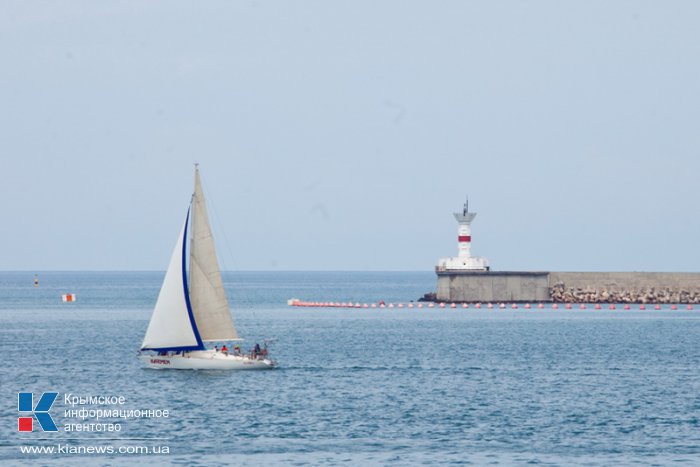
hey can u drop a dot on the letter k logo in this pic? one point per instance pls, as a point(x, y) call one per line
point(40, 412)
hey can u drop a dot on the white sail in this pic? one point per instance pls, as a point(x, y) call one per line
point(170, 325)
point(207, 296)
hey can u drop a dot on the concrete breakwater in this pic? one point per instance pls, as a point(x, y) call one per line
point(568, 287)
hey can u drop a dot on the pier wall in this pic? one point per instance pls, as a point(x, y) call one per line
point(574, 287)
point(492, 286)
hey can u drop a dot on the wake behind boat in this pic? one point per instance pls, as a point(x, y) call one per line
point(193, 310)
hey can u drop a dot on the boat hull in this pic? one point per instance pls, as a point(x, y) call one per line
point(206, 360)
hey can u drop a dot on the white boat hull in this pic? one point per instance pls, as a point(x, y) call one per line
point(206, 360)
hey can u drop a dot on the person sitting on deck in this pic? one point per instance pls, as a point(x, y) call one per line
point(256, 350)
point(216, 348)
point(236, 350)
point(224, 349)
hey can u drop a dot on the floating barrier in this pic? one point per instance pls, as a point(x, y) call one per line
point(501, 305)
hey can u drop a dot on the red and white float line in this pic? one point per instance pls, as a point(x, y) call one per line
point(499, 305)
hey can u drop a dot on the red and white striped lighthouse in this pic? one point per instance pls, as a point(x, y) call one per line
point(464, 233)
point(464, 259)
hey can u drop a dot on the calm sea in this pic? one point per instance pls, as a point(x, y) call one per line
point(354, 387)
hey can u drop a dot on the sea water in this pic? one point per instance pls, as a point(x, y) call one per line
point(399, 386)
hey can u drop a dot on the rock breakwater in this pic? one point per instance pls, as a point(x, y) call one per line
point(560, 292)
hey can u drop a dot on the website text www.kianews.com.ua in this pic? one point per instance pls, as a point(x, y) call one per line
point(89, 449)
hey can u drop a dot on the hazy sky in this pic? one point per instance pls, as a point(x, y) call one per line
point(341, 135)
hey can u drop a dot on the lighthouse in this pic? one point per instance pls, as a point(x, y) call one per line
point(464, 261)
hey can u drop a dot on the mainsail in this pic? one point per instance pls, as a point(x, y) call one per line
point(207, 296)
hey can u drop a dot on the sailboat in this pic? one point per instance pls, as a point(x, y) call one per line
point(192, 309)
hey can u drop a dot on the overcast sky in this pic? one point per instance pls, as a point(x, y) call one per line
point(343, 135)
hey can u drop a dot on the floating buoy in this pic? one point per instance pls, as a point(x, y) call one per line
point(540, 305)
point(364, 305)
point(627, 306)
point(464, 305)
point(453, 305)
point(642, 307)
point(568, 306)
point(391, 305)
point(689, 307)
point(431, 305)
point(674, 307)
point(420, 305)
point(555, 306)
point(612, 306)
point(597, 306)
point(657, 307)
point(514, 306)
point(69, 297)
point(527, 306)
point(489, 306)
point(442, 305)
point(502, 305)
point(400, 305)
point(410, 305)
point(582, 306)
point(373, 305)
point(478, 305)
